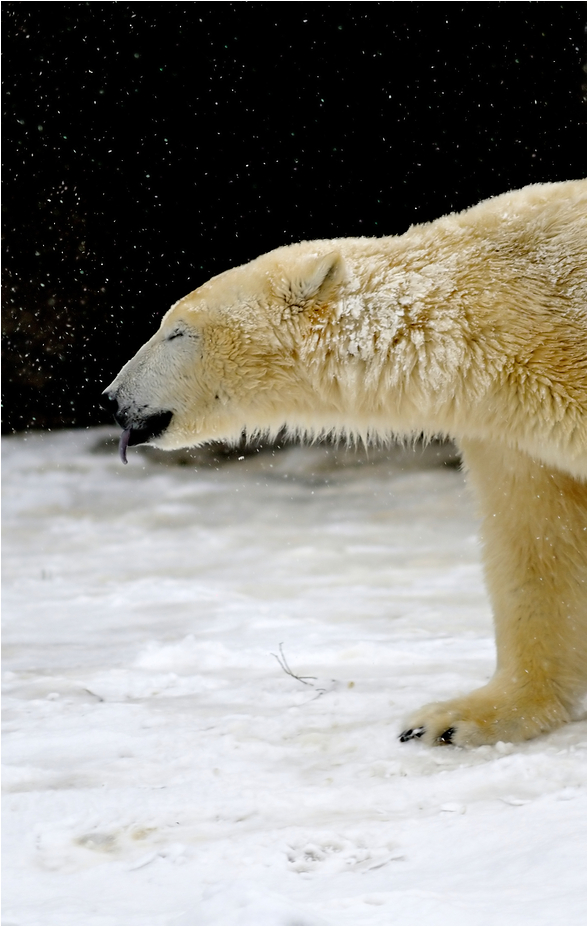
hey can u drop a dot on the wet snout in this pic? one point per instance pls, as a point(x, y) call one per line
point(109, 402)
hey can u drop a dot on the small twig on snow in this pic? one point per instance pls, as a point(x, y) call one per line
point(285, 666)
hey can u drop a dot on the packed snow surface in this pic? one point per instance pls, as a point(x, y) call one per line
point(162, 767)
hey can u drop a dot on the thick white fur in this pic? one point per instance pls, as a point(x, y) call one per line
point(471, 326)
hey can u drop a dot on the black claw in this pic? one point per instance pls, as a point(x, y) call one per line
point(412, 734)
point(447, 736)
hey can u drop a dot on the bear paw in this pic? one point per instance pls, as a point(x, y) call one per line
point(486, 716)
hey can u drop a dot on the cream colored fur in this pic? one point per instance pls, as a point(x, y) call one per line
point(472, 326)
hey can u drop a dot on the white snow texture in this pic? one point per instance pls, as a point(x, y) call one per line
point(161, 767)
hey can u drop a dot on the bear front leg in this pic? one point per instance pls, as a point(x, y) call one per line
point(534, 539)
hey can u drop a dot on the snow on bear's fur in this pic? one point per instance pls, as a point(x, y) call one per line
point(472, 326)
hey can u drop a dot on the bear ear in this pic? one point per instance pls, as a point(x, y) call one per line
point(312, 280)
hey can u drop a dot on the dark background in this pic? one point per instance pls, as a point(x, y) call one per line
point(148, 146)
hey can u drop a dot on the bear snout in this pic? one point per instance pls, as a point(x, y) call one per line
point(108, 402)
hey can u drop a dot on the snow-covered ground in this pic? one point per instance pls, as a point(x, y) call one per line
point(162, 768)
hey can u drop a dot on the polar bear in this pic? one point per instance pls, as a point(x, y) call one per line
point(471, 326)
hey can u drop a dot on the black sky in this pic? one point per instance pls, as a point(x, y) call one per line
point(148, 146)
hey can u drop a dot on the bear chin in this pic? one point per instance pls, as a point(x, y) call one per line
point(147, 431)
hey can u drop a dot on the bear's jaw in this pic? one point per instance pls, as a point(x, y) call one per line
point(147, 431)
point(137, 429)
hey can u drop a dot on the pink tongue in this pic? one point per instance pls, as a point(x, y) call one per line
point(123, 444)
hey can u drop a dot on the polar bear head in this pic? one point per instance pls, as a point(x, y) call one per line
point(227, 358)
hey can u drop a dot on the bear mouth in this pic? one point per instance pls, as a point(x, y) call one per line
point(150, 428)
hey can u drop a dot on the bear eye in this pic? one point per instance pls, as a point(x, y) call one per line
point(179, 333)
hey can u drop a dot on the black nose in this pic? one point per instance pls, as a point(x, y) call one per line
point(109, 403)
